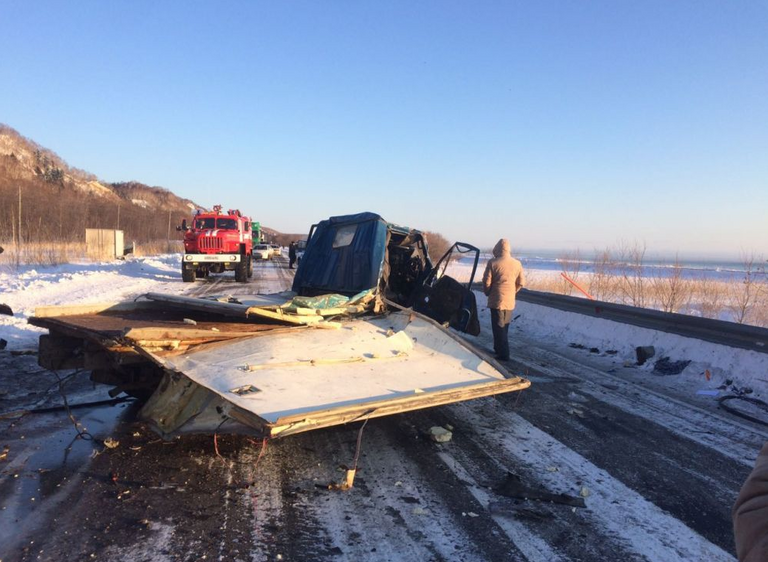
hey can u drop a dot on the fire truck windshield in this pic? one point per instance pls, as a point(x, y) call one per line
point(210, 222)
point(226, 224)
point(202, 224)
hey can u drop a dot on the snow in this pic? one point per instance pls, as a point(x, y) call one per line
point(84, 282)
point(624, 513)
point(745, 368)
point(613, 506)
point(79, 283)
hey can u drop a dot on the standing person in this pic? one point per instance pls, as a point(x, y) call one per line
point(750, 513)
point(291, 254)
point(502, 279)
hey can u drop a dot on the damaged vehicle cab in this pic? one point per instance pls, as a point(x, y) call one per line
point(354, 253)
point(217, 242)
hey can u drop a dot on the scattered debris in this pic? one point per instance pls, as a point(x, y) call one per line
point(576, 397)
point(576, 412)
point(245, 389)
point(584, 492)
point(665, 366)
point(5, 309)
point(4, 453)
point(190, 321)
point(707, 374)
point(519, 510)
point(440, 434)
point(752, 409)
point(513, 487)
point(644, 352)
point(594, 350)
point(576, 346)
point(553, 469)
point(611, 352)
point(420, 511)
point(110, 443)
point(707, 392)
point(3, 343)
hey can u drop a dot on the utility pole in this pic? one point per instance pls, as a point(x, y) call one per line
point(19, 216)
point(168, 237)
point(118, 217)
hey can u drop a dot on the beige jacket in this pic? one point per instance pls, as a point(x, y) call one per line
point(503, 277)
point(750, 513)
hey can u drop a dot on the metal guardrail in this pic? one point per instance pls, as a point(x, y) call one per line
point(707, 329)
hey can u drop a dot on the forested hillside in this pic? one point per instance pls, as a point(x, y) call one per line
point(44, 199)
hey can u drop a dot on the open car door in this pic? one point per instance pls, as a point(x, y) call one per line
point(445, 298)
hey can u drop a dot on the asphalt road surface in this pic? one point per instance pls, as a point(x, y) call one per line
point(657, 471)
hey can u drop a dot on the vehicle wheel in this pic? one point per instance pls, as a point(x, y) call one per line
point(187, 275)
point(250, 266)
point(241, 270)
point(201, 273)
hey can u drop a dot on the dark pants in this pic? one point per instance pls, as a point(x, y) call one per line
point(500, 320)
point(292, 261)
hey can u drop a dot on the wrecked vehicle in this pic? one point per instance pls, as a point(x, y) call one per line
point(363, 333)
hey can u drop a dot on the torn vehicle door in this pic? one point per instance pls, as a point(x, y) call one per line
point(448, 300)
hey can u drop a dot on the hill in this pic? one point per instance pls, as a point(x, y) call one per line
point(58, 202)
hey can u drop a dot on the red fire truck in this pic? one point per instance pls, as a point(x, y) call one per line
point(215, 242)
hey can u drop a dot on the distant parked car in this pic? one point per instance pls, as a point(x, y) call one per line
point(262, 252)
point(277, 251)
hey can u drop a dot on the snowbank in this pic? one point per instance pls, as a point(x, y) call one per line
point(744, 368)
point(79, 283)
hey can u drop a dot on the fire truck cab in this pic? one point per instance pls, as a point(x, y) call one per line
point(215, 242)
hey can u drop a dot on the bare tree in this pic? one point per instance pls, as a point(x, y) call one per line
point(631, 260)
point(570, 264)
point(744, 295)
point(711, 297)
point(602, 282)
point(670, 287)
point(438, 245)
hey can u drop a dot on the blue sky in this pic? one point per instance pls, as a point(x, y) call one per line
point(554, 124)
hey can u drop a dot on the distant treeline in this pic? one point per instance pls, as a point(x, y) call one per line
point(53, 210)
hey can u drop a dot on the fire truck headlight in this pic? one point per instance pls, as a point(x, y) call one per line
point(232, 258)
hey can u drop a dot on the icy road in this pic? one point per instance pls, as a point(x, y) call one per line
point(657, 466)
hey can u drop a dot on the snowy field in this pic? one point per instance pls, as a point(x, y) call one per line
point(79, 283)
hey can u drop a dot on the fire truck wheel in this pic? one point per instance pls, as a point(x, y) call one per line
point(250, 267)
point(241, 270)
point(187, 275)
